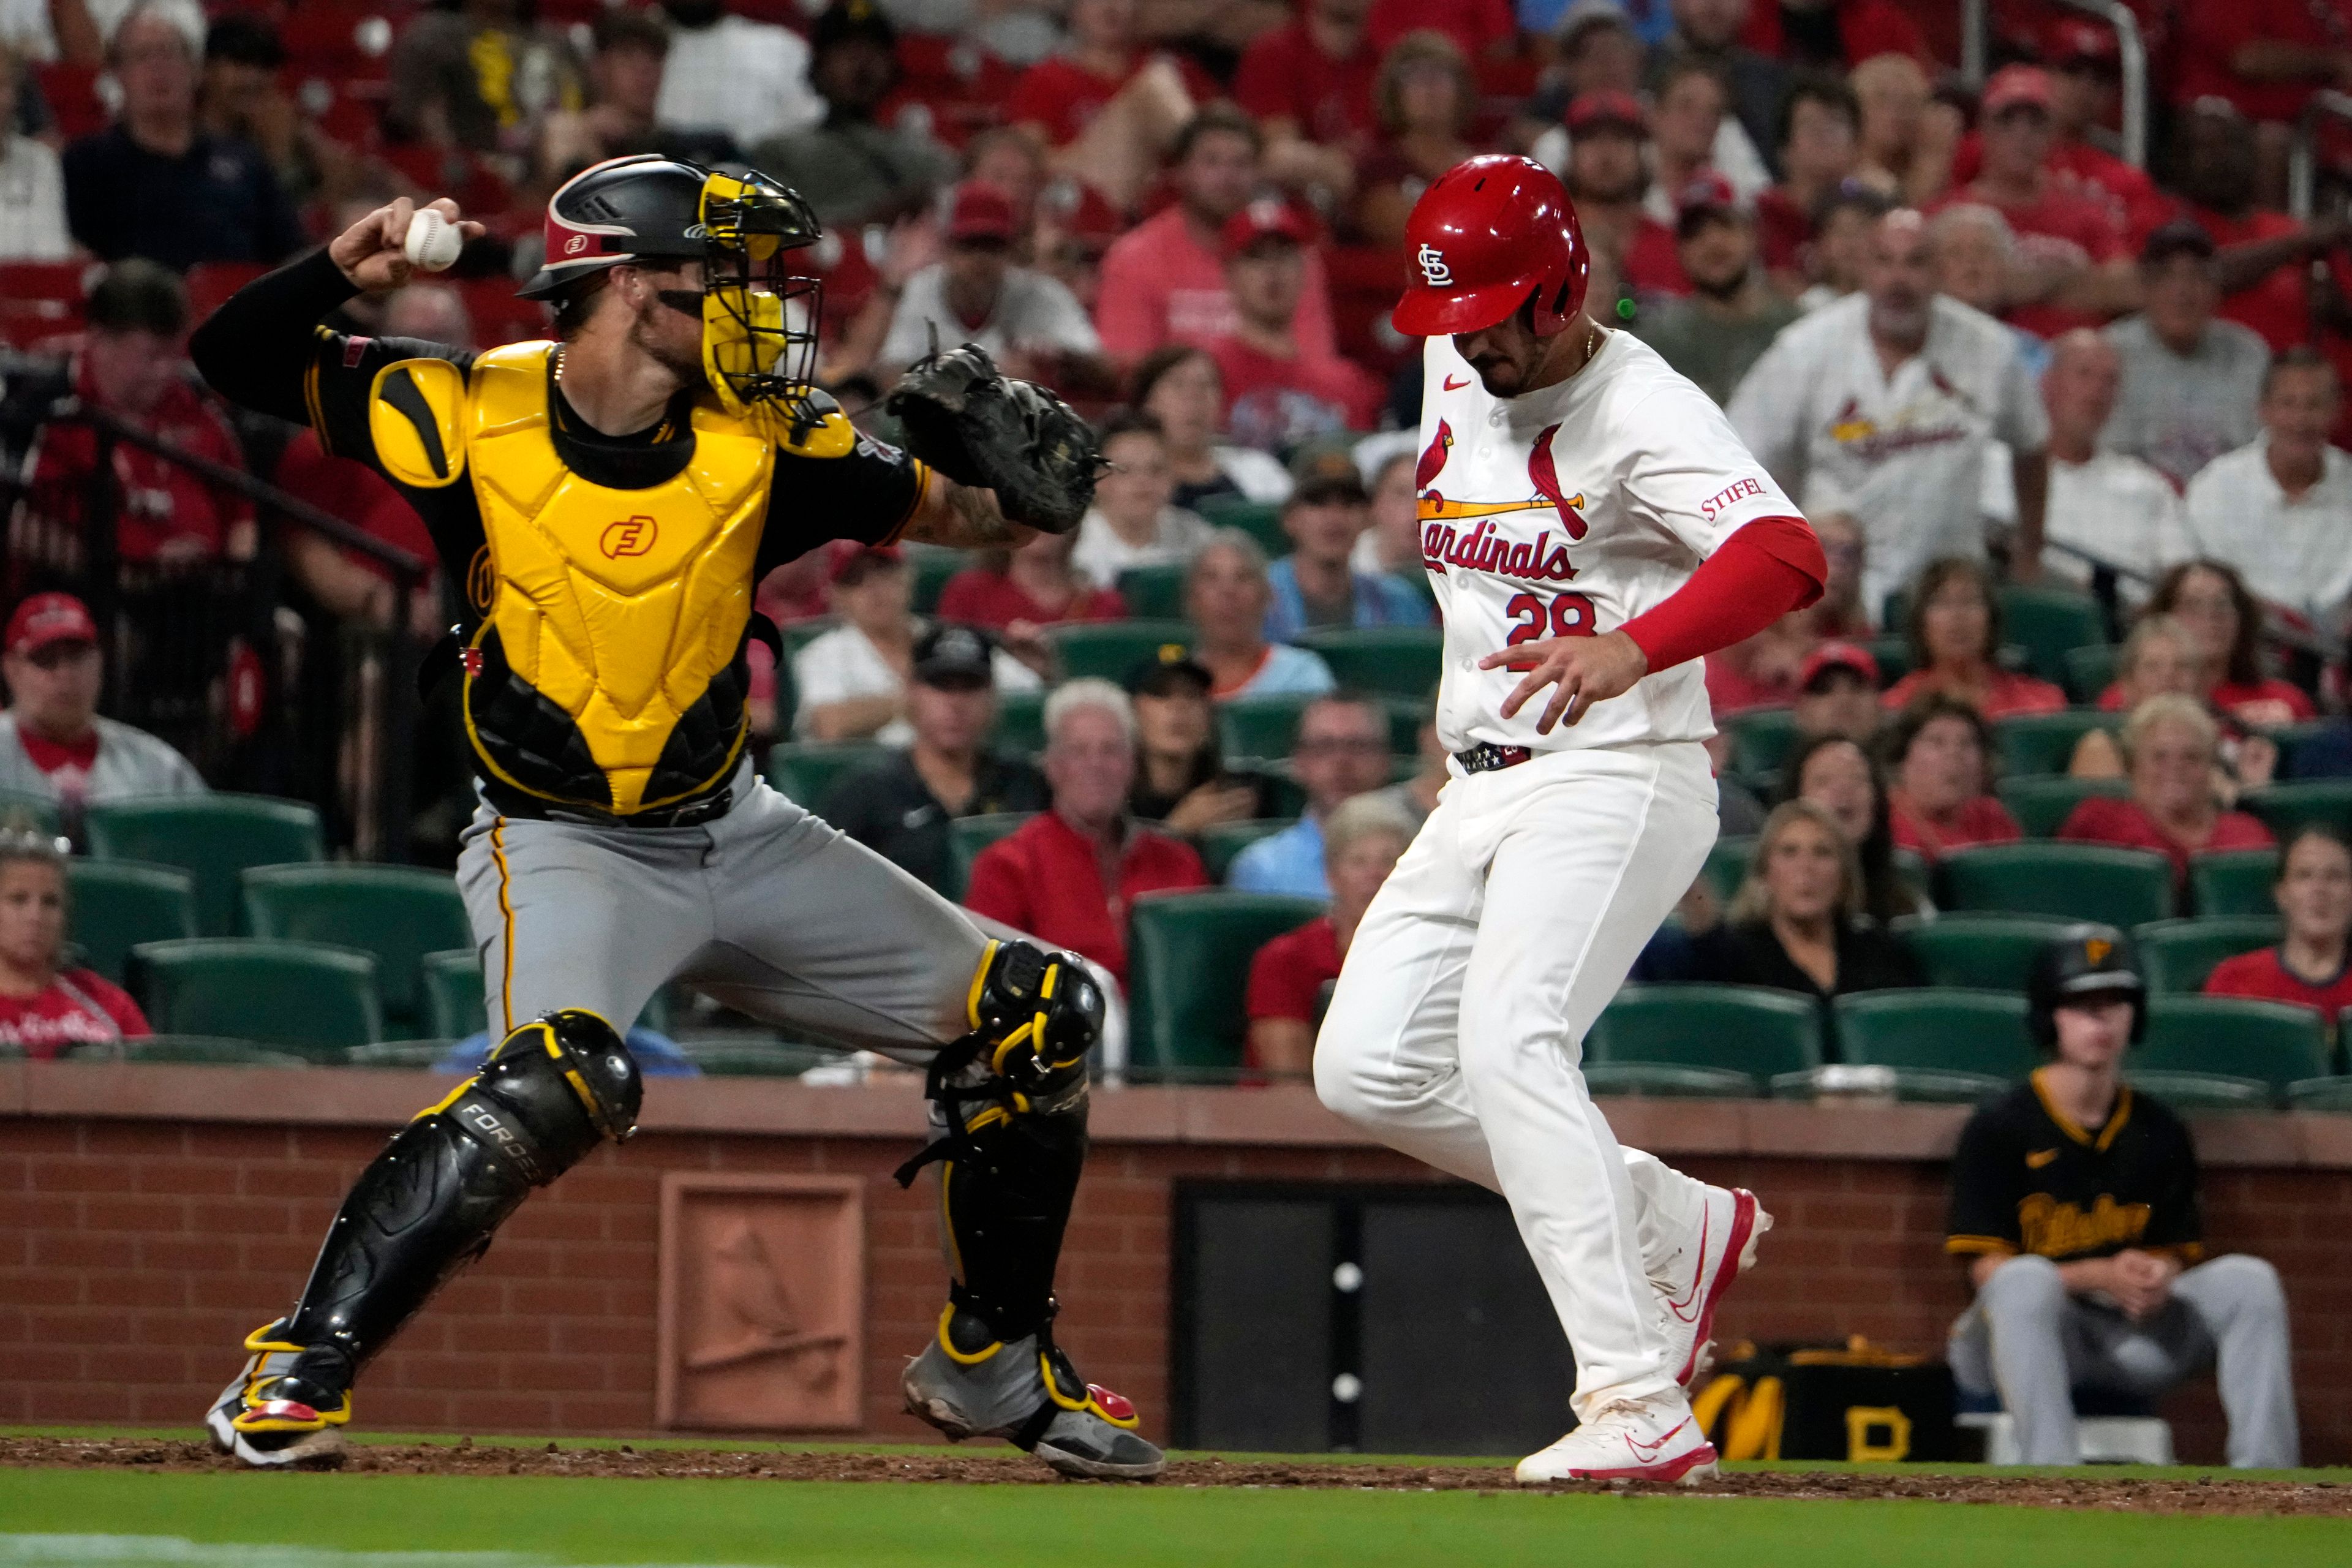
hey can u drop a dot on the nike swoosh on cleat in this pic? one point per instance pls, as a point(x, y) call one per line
point(1698, 1275)
point(1453, 385)
point(1648, 1452)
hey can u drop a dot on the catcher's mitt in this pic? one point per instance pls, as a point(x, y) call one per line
point(966, 419)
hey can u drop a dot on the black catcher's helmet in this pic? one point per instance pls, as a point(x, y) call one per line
point(2087, 960)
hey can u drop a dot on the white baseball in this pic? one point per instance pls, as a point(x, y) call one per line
point(433, 241)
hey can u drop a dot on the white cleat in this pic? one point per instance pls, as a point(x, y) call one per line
point(1655, 1440)
point(1703, 1271)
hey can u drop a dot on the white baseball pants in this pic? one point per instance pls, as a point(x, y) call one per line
point(1457, 1026)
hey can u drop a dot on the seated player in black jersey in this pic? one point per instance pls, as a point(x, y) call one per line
point(2074, 1206)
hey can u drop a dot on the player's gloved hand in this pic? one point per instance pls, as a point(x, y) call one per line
point(1585, 669)
point(370, 251)
point(967, 420)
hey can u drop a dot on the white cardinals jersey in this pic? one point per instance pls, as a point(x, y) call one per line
point(1569, 512)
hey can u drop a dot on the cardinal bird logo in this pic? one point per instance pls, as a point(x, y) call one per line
point(1547, 483)
point(1433, 460)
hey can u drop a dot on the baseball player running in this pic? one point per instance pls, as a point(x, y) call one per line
point(608, 500)
point(1590, 525)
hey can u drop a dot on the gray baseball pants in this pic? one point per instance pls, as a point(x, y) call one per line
point(2025, 1338)
point(768, 909)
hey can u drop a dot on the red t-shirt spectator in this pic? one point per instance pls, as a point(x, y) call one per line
point(1044, 879)
point(1982, 820)
point(1064, 96)
point(2129, 197)
point(2230, 697)
point(1476, 25)
point(980, 597)
point(2211, 31)
point(2265, 977)
point(2126, 824)
point(79, 1007)
point(1161, 284)
point(160, 504)
point(1273, 403)
point(2009, 693)
point(1866, 28)
point(1291, 976)
point(357, 494)
point(1283, 75)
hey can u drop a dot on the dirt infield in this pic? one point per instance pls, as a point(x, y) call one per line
point(2191, 1494)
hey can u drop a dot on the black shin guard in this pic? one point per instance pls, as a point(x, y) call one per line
point(428, 1204)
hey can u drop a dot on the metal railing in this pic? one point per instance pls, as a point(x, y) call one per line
point(2303, 156)
point(2131, 52)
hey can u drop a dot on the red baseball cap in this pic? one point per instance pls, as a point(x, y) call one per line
point(980, 211)
point(1607, 106)
point(1837, 655)
point(2014, 85)
point(1707, 192)
point(1269, 217)
point(45, 619)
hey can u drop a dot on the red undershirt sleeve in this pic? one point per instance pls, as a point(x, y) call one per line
point(1766, 568)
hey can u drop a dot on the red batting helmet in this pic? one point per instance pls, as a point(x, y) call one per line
point(1489, 235)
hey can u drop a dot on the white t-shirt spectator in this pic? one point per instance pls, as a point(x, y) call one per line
point(2179, 412)
point(32, 201)
point(843, 663)
point(1034, 311)
point(2119, 510)
point(130, 762)
point(748, 78)
point(1100, 554)
point(1905, 455)
point(2296, 552)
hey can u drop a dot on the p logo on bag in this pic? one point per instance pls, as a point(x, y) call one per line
point(1434, 268)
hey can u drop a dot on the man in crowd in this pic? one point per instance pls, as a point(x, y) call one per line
point(2260, 254)
point(2086, 86)
point(1814, 138)
point(1341, 752)
point(1731, 315)
point(2280, 508)
point(1033, 325)
point(851, 170)
point(1164, 282)
point(482, 76)
point(1315, 587)
point(628, 50)
point(2190, 381)
point(2074, 1210)
point(1290, 979)
point(1606, 176)
point(1884, 403)
point(1227, 593)
point(1309, 83)
point(1709, 32)
point(53, 745)
point(731, 73)
point(153, 184)
point(1278, 395)
point(900, 807)
point(1837, 693)
point(1069, 875)
point(2108, 504)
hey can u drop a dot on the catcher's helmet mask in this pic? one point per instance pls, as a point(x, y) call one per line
point(759, 337)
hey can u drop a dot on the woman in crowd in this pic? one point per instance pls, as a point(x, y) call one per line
point(1290, 979)
point(1955, 632)
point(1796, 923)
point(1017, 593)
point(2170, 748)
point(1391, 545)
point(1837, 775)
point(2162, 656)
point(1424, 96)
point(1180, 386)
point(1226, 596)
point(1939, 757)
point(46, 1007)
point(2312, 966)
point(2211, 600)
point(1133, 522)
point(1180, 779)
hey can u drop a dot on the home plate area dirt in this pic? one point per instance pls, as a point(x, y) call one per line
point(2189, 1494)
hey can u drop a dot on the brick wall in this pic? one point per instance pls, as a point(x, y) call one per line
point(150, 1217)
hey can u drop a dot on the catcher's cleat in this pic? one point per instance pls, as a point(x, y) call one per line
point(1705, 1267)
point(287, 1407)
point(1654, 1441)
point(968, 1384)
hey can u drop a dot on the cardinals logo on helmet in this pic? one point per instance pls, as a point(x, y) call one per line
point(1434, 268)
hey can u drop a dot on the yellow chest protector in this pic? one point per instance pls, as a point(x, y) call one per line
point(604, 676)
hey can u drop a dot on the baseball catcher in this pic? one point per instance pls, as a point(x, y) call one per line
point(609, 499)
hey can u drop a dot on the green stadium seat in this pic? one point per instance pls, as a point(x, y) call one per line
point(2332, 1093)
point(399, 913)
point(2041, 804)
point(1222, 843)
point(2276, 1042)
point(118, 904)
point(1402, 661)
point(2286, 808)
point(1979, 951)
point(968, 836)
point(1930, 1086)
point(1748, 1029)
point(1153, 593)
point(2179, 954)
point(933, 567)
point(2031, 744)
point(216, 837)
point(1187, 956)
point(403, 1056)
point(1108, 650)
point(2049, 624)
point(1762, 740)
point(1262, 520)
point(305, 997)
point(2079, 881)
point(201, 1050)
point(1727, 863)
point(1660, 1080)
point(1894, 656)
point(1938, 1029)
point(807, 771)
point(454, 1003)
point(1020, 722)
point(38, 812)
point(2204, 1090)
point(2233, 882)
point(2090, 672)
point(1261, 727)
